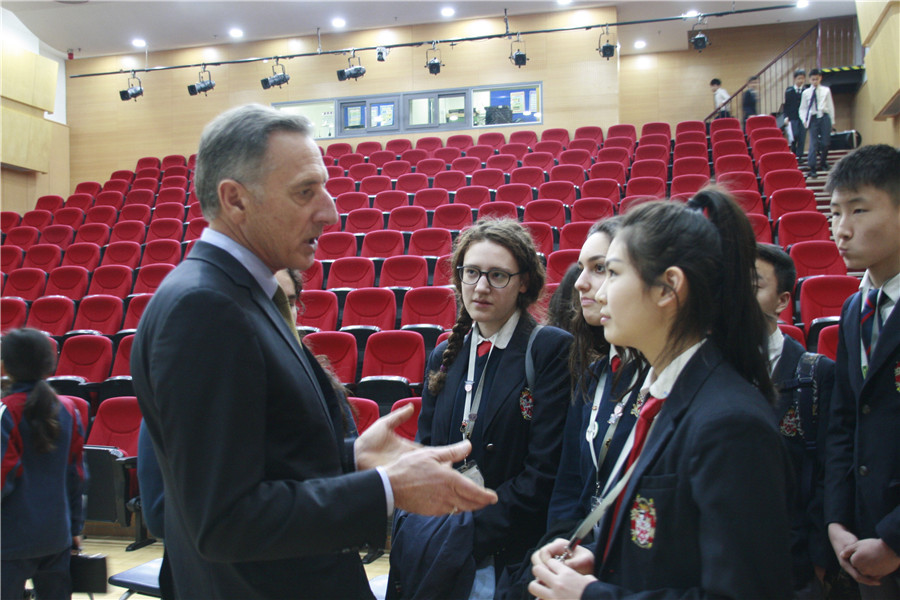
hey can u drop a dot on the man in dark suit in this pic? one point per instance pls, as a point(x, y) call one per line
point(862, 476)
point(804, 382)
point(792, 97)
point(263, 495)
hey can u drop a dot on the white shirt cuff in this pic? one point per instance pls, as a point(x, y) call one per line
point(388, 491)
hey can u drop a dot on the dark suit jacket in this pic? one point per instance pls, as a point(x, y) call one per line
point(792, 103)
point(517, 457)
point(809, 539)
point(862, 477)
point(259, 498)
point(706, 510)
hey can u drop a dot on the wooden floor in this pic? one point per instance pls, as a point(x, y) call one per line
point(119, 560)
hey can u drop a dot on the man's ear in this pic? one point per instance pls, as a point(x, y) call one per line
point(784, 298)
point(232, 199)
point(674, 286)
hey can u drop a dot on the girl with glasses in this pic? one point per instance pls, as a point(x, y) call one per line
point(477, 389)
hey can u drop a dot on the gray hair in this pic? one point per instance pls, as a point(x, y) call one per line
point(233, 145)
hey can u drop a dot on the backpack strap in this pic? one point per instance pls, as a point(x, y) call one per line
point(806, 393)
point(529, 360)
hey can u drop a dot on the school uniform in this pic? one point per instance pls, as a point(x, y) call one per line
point(516, 437)
point(862, 477)
point(792, 97)
point(817, 111)
point(706, 509)
point(803, 425)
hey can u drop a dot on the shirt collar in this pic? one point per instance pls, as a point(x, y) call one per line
point(500, 339)
point(891, 287)
point(260, 272)
point(775, 347)
point(661, 386)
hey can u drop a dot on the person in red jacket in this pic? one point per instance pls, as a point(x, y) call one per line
point(42, 472)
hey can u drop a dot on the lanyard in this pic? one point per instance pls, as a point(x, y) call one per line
point(594, 428)
point(470, 410)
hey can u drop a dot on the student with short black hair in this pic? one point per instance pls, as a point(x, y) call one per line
point(720, 99)
point(862, 498)
point(817, 112)
point(704, 507)
point(804, 382)
point(42, 473)
point(792, 97)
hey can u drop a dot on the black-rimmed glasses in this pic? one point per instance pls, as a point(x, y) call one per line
point(496, 278)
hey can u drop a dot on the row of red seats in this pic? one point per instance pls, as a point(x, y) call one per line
point(63, 236)
point(75, 282)
point(59, 316)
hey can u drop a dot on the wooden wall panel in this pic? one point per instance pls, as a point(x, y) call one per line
point(21, 189)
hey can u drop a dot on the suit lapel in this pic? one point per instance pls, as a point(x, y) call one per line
point(692, 378)
point(507, 384)
point(852, 343)
point(886, 345)
point(784, 372)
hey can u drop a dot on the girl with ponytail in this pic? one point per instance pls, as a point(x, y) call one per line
point(477, 389)
point(42, 471)
point(703, 509)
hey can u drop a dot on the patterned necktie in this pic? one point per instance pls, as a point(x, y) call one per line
point(483, 348)
point(284, 307)
point(649, 411)
point(867, 320)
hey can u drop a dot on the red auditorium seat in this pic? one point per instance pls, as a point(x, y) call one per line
point(51, 314)
point(767, 145)
point(398, 145)
point(13, 313)
point(348, 201)
point(590, 146)
point(572, 235)
point(364, 220)
point(147, 173)
point(688, 149)
point(552, 147)
point(388, 200)
point(337, 149)
point(730, 135)
point(335, 244)
point(382, 244)
point(655, 139)
point(26, 283)
point(821, 296)
point(412, 182)
point(88, 187)
point(177, 182)
point(542, 234)
point(194, 229)
point(172, 160)
point(334, 171)
point(731, 163)
point(481, 152)
point(165, 229)
point(392, 354)
point(313, 277)
point(161, 251)
point(788, 200)
point(519, 194)
point(802, 226)
point(125, 253)
point(147, 161)
point(407, 218)
point(557, 134)
point(649, 168)
point(759, 121)
point(728, 147)
point(136, 305)
point(762, 229)
point(489, 178)
point(37, 219)
point(409, 428)
point(657, 128)
point(147, 279)
point(542, 160)
point(652, 152)
point(430, 242)
point(379, 158)
point(593, 209)
point(126, 231)
point(338, 185)
point(589, 132)
point(454, 217)
point(622, 130)
point(690, 165)
point(782, 179)
point(494, 139)
point(523, 136)
point(609, 154)
point(131, 212)
point(550, 211)
point(774, 161)
point(51, 203)
point(414, 156)
point(11, 257)
point(365, 412)
point(498, 209)
point(738, 181)
point(115, 280)
point(71, 216)
point(573, 174)
point(117, 424)
point(9, 219)
point(606, 170)
point(473, 196)
point(466, 164)
point(690, 136)
point(100, 314)
point(558, 263)
point(750, 201)
point(442, 274)
point(817, 258)
point(368, 148)
point(503, 162)
point(395, 168)
point(360, 171)
point(690, 126)
point(339, 348)
point(532, 176)
point(517, 149)
point(318, 310)
point(70, 281)
point(688, 184)
point(144, 183)
point(726, 123)
point(42, 256)
point(83, 254)
point(450, 180)
point(403, 271)
point(373, 184)
point(351, 272)
point(828, 341)
point(448, 155)
point(368, 310)
point(345, 161)
point(110, 198)
point(431, 198)
point(646, 186)
point(564, 191)
point(429, 144)
point(623, 143)
point(117, 186)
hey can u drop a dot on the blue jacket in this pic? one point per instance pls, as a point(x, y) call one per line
point(41, 492)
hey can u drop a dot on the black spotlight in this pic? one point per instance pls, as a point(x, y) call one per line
point(607, 51)
point(134, 89)
point(277, 78)
point(433, 59)
point(202, 86)
point(354, 72)
point(434, 66)
point(519, 58)
point(699, 42)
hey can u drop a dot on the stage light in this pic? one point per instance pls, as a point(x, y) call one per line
point(277, 78)
point(699, 42)
point(203, 85)
point(433, 59)
point(381, 53)
point(607, 51)
point(517, 54)
point(352, 71)
point(134, 90)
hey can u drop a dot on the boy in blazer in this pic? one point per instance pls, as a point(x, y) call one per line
point(862, 482)
point(800, 408)
point(792, 96)
point(817, 112)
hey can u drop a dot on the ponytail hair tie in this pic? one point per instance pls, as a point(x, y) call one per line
point(443, 369)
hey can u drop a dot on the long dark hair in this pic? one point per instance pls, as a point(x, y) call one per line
point(717, 254)
point(29, 357)
point(513, 236)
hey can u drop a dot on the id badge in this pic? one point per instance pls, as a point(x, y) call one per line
point(471, 471)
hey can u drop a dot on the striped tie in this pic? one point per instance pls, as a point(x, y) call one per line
point(867, 320)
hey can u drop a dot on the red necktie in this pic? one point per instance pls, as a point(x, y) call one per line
point(615, 363)
point(649, 411)
point(483, 348)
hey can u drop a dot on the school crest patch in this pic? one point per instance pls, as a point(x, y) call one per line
point(643, 522)
point(897, 377)
point(526, 404)
point(790, 423)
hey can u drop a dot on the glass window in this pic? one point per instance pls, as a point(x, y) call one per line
point(421, 111)
point(382, 114)
point(353, 116)
point(500, 106)
point(452, 109)
point(320, 114)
